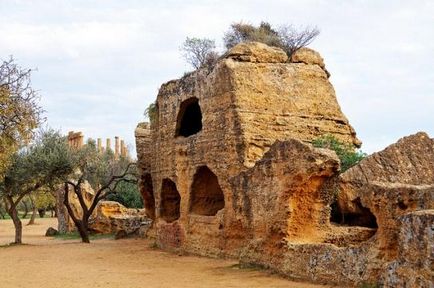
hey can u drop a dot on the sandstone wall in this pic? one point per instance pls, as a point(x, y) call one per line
point(246, 183)
point(277, 100)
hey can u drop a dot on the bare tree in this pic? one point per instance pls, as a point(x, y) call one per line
point(293, 39)
point(199, 52)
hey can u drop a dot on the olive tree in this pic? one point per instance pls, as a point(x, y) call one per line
point(44, 163)
point(104, 173)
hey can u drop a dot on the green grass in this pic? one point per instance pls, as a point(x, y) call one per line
point(76, 235)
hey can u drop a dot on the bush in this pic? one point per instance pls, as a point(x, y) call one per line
point(152, 112)
point(128, 195)
point(346, 152)
point(241, 32)
point(288, 38)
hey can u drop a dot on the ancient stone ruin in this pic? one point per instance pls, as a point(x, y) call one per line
point(76, 140)
point(227, 170)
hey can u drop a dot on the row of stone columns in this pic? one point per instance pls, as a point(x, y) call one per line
point(76, 140)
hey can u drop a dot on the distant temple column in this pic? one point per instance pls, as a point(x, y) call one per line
point(108, 144)
point(75, 139)
point(116, 147)
point(99, 145)
point(123, 149)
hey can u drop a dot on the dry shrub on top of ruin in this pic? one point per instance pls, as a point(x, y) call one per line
point(286, 37)
point(200, 52)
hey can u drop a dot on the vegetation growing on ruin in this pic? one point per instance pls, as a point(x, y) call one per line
point(152, 112)
point(286, 37)
point(348, 155)
point(200, 52)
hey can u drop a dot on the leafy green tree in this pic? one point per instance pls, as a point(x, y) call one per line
point(128, 195)
point(20, 113)
point(45, 163)
point(346, 152)
point(104, 173)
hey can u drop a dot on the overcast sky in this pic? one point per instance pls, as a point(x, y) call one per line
point(100, 62)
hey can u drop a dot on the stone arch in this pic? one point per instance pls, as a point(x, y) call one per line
point(189, 119)
point(206, 196)
point(170, 201)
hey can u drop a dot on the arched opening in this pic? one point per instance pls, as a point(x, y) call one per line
point(170, 201)
point(206, 195)
point(147, 191)
point(189, 120)
point(363, 217)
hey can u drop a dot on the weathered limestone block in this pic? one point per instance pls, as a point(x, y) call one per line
point(414, 266)
point(408, 161)
point(279, 101)
point(284, 199)
point(112, 217)
point(389, 184)
point(307, 56)
point(287, 193)
point(256, 52)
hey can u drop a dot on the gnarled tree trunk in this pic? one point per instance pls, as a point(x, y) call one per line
point(61, 212)
point(12, 211)
point(34, 211)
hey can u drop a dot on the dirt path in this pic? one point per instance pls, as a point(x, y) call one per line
point(130, 263)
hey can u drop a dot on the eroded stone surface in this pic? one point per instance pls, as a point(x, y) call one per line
point(249, 123)
point(414, 265)
point(257, 53)
point(112, 217)
point(307, 56)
